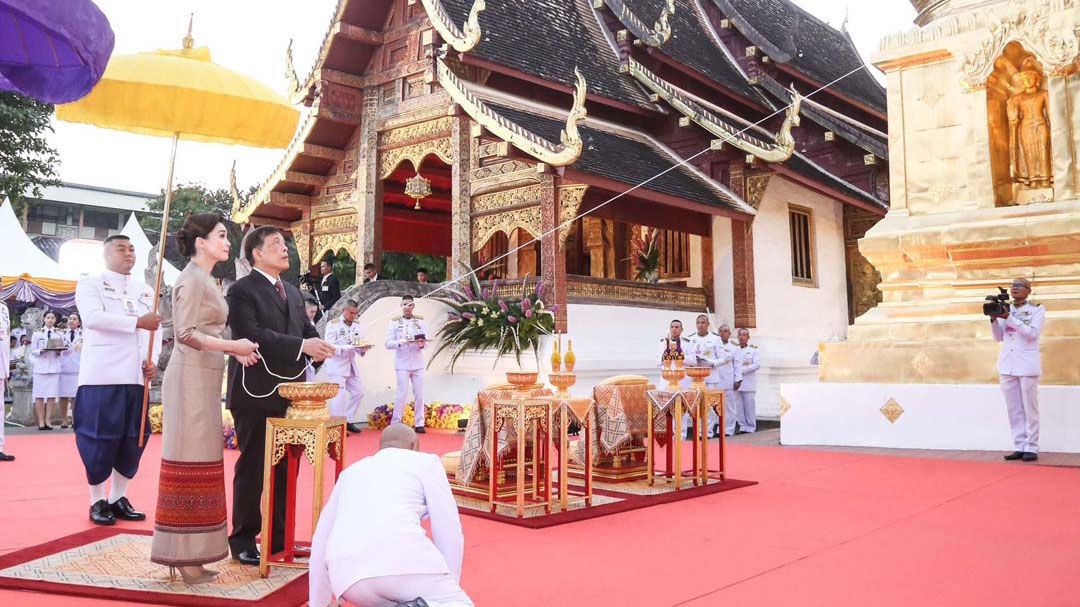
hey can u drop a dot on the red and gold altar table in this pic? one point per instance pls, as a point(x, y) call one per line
point(714, 400)
point(567, 410)
point(617, 430)
point(473, 471)
point(665, 417)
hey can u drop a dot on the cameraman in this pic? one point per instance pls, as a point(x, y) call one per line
point(1019, 364)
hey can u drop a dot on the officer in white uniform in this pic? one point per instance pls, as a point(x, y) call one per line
point(407, 336)
point(748, 361)
point(727, 374)
point(343, 368)
point(708, 351)
point(1020, 366)
point(69, 367)
point(117, 322)
point(5, 364)
point(678, 343)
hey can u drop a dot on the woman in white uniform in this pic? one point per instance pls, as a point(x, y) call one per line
point(45, 347)
point(69, 367)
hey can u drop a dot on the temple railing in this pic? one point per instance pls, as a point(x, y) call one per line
point(613, 292)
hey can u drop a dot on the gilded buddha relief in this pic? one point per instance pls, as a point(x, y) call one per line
point(1019, 123)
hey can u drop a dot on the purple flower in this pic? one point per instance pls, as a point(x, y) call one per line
point(525, 304)
point(503, 306)
point(554, 309)
point(487, 293)
point(513, 319)
point(469, 292)
point(454, 317)
point(468, 315)
point(539, 290)
point(528, 313)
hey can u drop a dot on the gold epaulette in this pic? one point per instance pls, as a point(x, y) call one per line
point(395, 319)
point(418, 317)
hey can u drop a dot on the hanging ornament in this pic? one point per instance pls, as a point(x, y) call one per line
point(418, 187)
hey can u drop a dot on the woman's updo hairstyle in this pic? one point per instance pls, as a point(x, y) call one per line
point(198, 225)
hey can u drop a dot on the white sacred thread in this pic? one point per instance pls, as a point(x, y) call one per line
point(243, 377)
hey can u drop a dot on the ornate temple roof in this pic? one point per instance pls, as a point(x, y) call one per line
point(548, 39)
point(790, 35)
point(694, 44)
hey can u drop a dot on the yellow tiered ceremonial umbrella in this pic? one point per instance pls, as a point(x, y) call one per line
point(182, 94)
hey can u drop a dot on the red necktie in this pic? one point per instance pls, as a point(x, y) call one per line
point(281, 290)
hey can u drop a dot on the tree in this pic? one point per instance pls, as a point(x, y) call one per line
point(403, 266)
point(27, 161)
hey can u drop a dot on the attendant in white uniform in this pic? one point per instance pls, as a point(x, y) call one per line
point(343, 368)
point(407, 336)
point(5, 364)
point(1020, 365)
point(69, 367)
point(369, 547)
point(108, 405)
point(45, 347)
point(679, 345)
point(727, 375)
point(706, 351)
point(748, 360)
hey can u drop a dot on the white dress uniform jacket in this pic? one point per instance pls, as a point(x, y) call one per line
point(45, 362)
point(110, 305)
point(5, 358)
point(399, 337)
point(708, 350)
point(1019, 334)
point(345, 362)
point(70, 359)
point(748, 361)
point(371, 525)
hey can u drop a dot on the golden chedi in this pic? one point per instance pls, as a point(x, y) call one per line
point(985, 187)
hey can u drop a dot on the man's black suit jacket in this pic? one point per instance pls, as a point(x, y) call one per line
point(257, 312)
point(329, 292)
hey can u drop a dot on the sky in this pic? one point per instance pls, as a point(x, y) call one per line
point(250, 36)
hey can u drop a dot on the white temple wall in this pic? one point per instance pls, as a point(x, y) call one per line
point(723, 266)
point(792, 319)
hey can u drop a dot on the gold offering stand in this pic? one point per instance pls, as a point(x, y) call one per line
point(528, 415)
point(713, 399)
point(307, 430)
point(567, 406)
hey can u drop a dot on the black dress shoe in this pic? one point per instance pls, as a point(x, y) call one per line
point(102, 514)
point(417, 602)
point(1015, 455)
point(122, 509)
point(420, 430)
point(1031, 457)
point(247, 557)
point(354, 428)
point(4, 457)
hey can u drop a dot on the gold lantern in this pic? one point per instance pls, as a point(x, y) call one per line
point(418, 187)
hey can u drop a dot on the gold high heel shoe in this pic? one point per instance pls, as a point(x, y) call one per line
point(203, 575)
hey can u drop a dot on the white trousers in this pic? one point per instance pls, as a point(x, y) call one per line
point(746, 410)
point(3, 412)
point(731, 411)
point(404, 377)
point(347, 401)
point(440, 590)
point(1022, 402)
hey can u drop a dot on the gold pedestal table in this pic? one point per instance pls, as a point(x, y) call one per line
point(568, 409)
point(307, 430)
point(667, 406)
point(532, 418)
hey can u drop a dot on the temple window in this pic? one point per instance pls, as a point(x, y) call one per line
point(674, 254)
point(801, 221)
point(496, 248)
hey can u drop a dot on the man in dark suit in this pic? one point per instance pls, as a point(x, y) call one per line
point(269, 312)
point(330, 288)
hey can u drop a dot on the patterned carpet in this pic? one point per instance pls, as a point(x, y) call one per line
point(115, 564)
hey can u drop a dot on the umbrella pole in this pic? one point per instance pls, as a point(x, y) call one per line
point(157, 287)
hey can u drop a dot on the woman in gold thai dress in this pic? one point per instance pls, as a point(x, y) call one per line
point(189, 526)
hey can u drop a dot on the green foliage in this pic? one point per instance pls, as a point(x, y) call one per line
point(481, 320)
point(345, 270)
point(187, 199)
point(403, 266)
point(645, 255)
point(27, 161)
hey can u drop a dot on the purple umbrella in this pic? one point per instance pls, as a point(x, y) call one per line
point(54, 51)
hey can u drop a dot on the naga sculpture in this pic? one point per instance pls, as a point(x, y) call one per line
point(463, 39)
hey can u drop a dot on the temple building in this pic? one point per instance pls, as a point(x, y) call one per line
point(747, 133)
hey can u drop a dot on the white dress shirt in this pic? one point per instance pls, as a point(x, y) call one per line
point(748, 361)
point(110, 305)
point(371, 525)
point(400, 336)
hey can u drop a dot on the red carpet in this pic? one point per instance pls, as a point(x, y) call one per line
point(820, 529)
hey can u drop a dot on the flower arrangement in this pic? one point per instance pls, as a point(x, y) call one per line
point(482, 320)
point(228, 430)
point(645, 255)
point(155, 414)
point(436, 415)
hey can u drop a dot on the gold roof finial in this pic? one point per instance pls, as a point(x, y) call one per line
point(189, 41)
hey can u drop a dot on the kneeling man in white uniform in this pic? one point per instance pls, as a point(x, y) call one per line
point(369, 547)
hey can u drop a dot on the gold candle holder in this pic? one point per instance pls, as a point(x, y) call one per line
point(673, 375)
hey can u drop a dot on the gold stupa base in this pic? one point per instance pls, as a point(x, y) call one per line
point(961, 361)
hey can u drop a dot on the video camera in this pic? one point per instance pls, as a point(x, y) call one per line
point(997, 305)
point(308, 279)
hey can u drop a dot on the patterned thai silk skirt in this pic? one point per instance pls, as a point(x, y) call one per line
point(190, 525)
